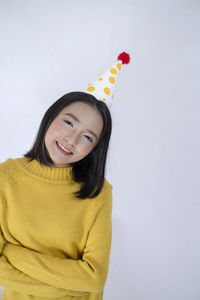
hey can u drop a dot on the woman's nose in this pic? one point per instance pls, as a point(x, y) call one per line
point(72, 140)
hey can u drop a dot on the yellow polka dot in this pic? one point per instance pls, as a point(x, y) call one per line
point(106, 90)
point(91, 88)
point(113, 71)
point(118, 66)
point(104, 99)
point(112, 79)
point(89, 83)
point(112, 96)
point(111, 105)
point(100, 78)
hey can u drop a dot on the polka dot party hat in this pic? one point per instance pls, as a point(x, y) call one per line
point(103, 87)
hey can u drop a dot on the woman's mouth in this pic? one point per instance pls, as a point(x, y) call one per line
point(62, 149)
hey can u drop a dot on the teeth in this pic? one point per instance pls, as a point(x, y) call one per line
point(64, 148)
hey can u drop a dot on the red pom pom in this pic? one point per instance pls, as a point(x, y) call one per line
point(124, 57)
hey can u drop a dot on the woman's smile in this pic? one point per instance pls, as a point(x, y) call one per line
point(63, 150)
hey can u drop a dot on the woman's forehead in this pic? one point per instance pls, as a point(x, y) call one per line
point(82, 111)
point(78, 106)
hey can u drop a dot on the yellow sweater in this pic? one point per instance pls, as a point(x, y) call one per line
point(52, 245)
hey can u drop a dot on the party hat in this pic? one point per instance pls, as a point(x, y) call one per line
point(103, 87)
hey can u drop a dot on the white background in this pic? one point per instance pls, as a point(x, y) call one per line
point(49, 48)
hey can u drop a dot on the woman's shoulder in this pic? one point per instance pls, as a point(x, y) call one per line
point(7, 167)
point(107, 184)
point(106, 192)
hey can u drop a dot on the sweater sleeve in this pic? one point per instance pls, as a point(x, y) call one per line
point(17, 280)
point(88, 274)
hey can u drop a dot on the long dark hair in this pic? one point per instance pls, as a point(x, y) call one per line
point(90, 170)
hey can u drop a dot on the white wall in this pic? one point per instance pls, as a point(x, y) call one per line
point(49, 48)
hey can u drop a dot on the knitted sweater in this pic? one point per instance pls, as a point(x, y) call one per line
point(52, 244)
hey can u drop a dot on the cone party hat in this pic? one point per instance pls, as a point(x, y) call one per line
point(103, 87)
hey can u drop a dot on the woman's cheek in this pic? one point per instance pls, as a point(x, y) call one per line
point(85, 148)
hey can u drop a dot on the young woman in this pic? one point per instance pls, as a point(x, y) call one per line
point(56, 206)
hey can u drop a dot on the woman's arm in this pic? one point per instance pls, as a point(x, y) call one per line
point(17, 280)
point(88, 274)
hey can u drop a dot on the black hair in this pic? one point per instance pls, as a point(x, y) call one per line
point(90, 170)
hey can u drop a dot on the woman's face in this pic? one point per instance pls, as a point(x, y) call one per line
point(76, 128)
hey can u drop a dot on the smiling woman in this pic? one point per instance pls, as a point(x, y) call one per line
point(57, 245)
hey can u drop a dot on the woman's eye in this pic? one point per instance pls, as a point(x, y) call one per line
point(89, 138)
point(67, 122)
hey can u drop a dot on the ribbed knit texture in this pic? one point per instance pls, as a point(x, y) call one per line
point(52, 245)
point(44, 172)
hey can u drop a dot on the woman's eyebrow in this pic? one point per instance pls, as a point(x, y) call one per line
point(77, 120)
point(73, 117)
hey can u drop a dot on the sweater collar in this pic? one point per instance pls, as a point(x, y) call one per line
point(45, 172)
